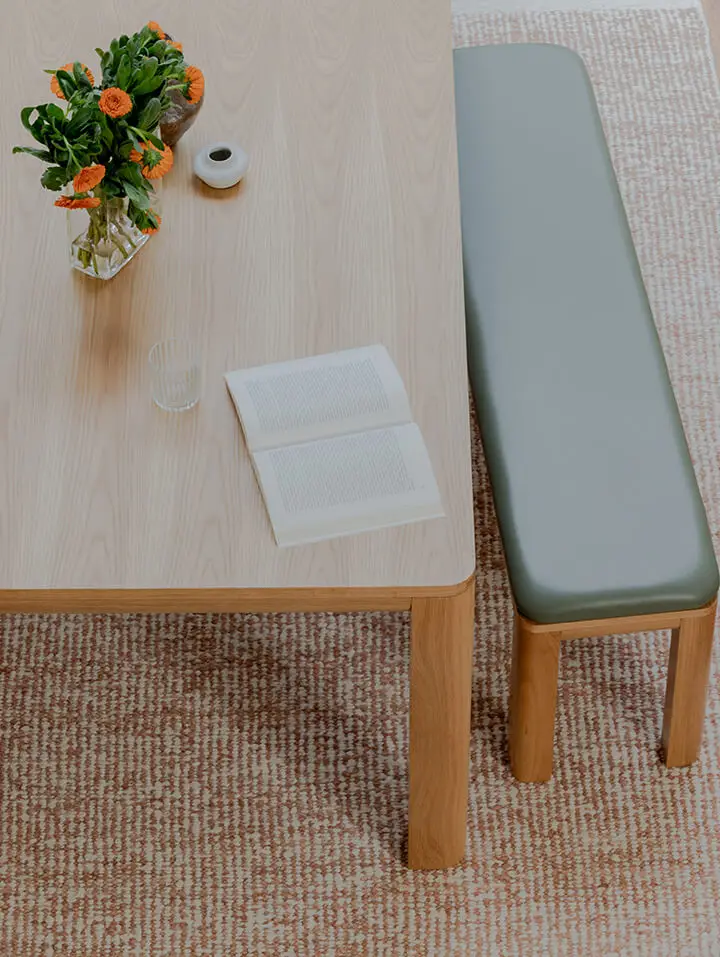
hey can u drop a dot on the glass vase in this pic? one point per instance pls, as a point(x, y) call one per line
point(105, 239)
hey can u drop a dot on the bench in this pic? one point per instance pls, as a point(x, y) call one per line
point(602, 523)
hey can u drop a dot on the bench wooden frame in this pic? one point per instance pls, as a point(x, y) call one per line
point(534, 676)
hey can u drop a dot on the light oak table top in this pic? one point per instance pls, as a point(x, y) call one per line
point(345, 233)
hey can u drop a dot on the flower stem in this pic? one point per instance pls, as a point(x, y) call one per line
point(116, 242)
point(108, 228)
point(123, 233)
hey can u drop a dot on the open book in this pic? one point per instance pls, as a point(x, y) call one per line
point(334, 446)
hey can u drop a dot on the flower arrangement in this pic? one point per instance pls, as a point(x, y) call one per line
point(102, 150)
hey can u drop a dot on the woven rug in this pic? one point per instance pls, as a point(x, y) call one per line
point(236, 785)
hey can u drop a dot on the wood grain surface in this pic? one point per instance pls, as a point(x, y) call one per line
point(712, 14)
point(346, 232)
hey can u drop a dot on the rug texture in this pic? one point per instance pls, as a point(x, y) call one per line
point(237, 785)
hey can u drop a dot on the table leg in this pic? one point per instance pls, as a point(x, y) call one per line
point(440, 693)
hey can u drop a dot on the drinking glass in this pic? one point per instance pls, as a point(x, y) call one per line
point(175, 373)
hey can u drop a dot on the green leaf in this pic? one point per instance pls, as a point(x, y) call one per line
point(36, 129)
point(81, 123)
point(106, 135)
point(100, 53)
point(138, 196)
point(150, 114)
point(75, 164)
point(43, 155)
point(83, 143)
point(54, 178)
point(156, 141)
point(135, 215)
point(148, 67)
point(134, 140)
point(67, 84)
point(123, 151)
point(144, 79)
point(80, 76)
point(55, 113)
point(130, 173)
point(25, 117)
point(149, 86)
point(124, 72)
point(112, 187)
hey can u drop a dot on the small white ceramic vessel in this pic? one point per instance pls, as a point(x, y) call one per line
point(221, 165)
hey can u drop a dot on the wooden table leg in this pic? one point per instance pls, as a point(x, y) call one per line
point(688, 673)
point(440, 694)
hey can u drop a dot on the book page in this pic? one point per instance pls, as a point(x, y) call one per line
point(308, 399)
point(348, 484)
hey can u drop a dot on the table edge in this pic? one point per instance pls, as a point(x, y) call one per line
point(204, 600)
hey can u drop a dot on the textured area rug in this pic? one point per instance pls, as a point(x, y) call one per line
point(236, 785)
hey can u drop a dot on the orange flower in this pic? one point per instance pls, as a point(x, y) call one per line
point(69, 202)
point(153, 169)
point(88, 178)
point(196, 84)
point(176, 44)
point(68, 68)
point(156, 28)
point(115, 102)
point(151, 230)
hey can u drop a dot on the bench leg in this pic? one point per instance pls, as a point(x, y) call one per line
point(688, 673)
point(440, 692)
point(533, 699)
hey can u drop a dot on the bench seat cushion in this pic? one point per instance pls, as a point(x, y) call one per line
point(596, 497)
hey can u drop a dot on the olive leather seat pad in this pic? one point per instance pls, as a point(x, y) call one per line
point(596, 497)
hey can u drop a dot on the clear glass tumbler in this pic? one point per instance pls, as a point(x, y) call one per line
point(175, 373)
